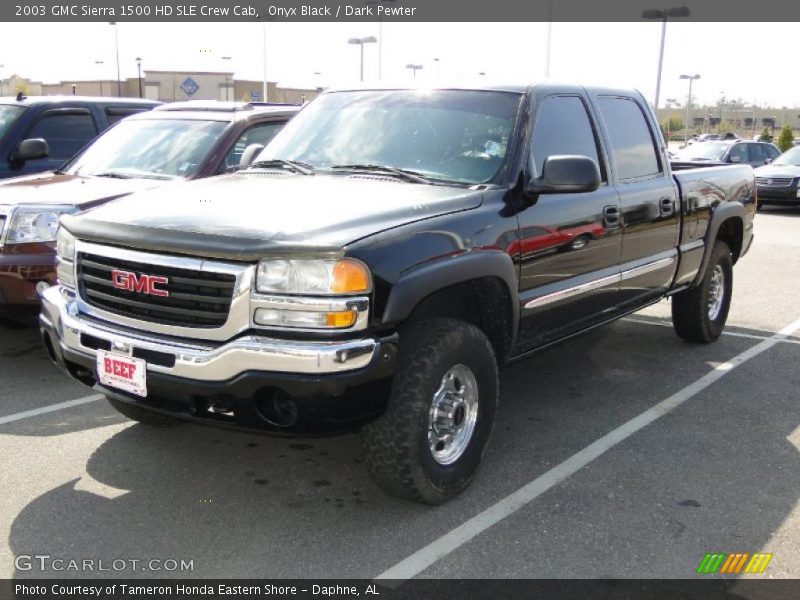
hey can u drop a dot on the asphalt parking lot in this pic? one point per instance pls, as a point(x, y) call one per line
point(588, 473)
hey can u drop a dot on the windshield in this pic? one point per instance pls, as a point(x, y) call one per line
point(790, 157)
point(445, 135)
point(157, 149)
point(8, 114)
point(704, 151)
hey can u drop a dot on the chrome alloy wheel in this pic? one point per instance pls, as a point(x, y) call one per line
point(716, 292)
point(453, 414)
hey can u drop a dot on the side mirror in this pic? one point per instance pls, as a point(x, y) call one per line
point(768, 160)
point(249, 155)
point(735, 159)
point(31, 149)
point(564, 175)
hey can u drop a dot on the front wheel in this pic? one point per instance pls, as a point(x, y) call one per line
point(699, 313)
point(428, 444)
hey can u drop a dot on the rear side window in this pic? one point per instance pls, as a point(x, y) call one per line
point(563, 127)
point(770, 151)
point(757, 153)
point(632, 142)
point(65, 134)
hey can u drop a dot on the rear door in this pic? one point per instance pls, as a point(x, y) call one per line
point(648, 196)
point(569, 243)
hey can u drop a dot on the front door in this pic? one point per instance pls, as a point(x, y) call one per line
point(569, 243)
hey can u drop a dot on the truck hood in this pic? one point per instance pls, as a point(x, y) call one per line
point(247, 216)
point(778, 171)
point(71, 190)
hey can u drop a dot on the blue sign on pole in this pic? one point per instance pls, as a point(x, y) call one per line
point(189, 86)
point(255, 96)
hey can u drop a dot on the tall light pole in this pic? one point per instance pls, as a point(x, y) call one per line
point(116, 47)
point(226, 79)
point(139, 71)
point(436, 63)
point(691, 78)
point(663, 15)
point(360, 41)
point(1, 80)
point(414, 68)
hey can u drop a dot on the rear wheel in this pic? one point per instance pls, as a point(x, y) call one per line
point(699, 313)
point(428, 444)
point(142, 415)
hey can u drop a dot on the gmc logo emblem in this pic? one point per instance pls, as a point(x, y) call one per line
point(139, 282)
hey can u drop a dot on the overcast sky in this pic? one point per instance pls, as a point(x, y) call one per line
point(740, 60)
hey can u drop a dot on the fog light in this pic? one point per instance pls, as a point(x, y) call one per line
point(274, 317)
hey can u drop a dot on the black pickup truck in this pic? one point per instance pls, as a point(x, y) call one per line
point(383, 257)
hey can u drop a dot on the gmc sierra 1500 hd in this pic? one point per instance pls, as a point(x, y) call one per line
point(383, 256)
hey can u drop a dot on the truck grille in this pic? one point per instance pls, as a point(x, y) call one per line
point(774, 181)
point(195, 298)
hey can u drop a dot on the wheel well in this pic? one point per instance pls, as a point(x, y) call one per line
point(732, 232)
point(483, 302)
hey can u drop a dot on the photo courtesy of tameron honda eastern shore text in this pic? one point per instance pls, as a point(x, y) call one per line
point(383, 257)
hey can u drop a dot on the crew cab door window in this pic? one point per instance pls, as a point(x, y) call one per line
point(65, 133)
point(258, 134)
point(633, 145)
point(563, 127)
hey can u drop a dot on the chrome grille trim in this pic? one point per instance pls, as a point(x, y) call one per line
point(238, 317)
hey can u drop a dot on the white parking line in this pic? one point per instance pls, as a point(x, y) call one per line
point(48, 409)
point(452, 540)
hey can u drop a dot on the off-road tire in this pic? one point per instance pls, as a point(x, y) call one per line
point(397, 451)
point(142, 415)
point(690, 316)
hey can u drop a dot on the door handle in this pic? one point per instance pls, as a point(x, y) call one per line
point(666, 207)
point(611, 216)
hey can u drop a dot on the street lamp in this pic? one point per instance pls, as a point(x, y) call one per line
point(691, 78)
point(100, 63)
point(226, 78)
point(139, 70)
point(116, 46)
point(414, 68)
point(436, 62)
point(360, 41)
point(663, 15)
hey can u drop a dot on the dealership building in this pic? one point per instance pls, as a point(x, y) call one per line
point(166, 86)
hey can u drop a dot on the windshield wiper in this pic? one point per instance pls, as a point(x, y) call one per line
point(404, 174)
point(297, 167)
point(113, 175)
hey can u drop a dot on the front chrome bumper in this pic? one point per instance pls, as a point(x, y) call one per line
point(202, 360)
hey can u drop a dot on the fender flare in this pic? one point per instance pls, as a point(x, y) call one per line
point(721, 214)
point(416, 285)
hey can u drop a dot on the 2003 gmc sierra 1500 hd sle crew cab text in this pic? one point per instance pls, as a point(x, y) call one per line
point(383, 256)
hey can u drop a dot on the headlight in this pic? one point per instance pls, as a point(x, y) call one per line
point(312, 294)
point(35, 224)
point(65, 245)
point(312, 276)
